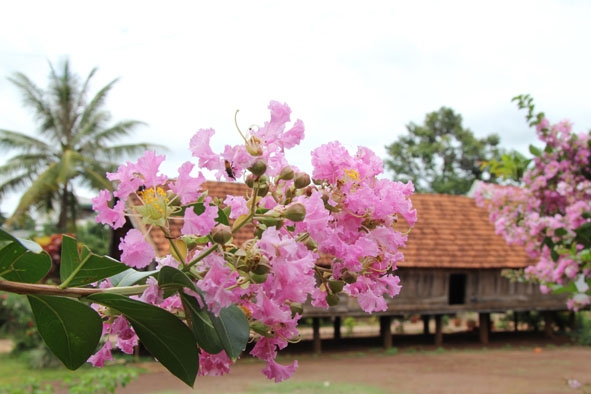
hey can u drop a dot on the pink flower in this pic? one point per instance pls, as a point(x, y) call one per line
point(127, 340)
point(114, 217)
point(199, 147)
point(237, 206)
point(214, 364)
point(185, 186)
point(218, 284)
point(136, 251)
point(278, 372)
point(200, 224)
point(104, 354)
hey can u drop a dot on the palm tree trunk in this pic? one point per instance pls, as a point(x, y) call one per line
point(62, 222)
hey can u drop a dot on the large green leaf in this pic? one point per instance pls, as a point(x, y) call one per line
point(130, 277)
point(229, 331)
point(205, 333)
point(70, 328)
point(21, 260)
point(172, 277)
point(84, 268)
point(203, 329)
point(164, 335)
point(233, 330)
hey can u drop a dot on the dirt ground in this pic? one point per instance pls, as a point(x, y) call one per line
point(510, 363)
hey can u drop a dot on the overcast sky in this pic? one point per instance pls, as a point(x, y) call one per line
point(357, 72)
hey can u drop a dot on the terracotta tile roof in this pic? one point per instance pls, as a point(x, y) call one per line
point(451, 232)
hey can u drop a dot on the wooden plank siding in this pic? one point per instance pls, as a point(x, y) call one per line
point(426, 292)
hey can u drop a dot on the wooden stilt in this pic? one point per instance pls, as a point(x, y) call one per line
point(438, 331)
point(484, 327)
point(426, 319)
point(548, 320)
point(316, 333)
point(337, 327)
point(386, 331)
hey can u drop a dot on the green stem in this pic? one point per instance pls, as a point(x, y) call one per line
point(204, 254)
point(66, 282)
point(71, 292)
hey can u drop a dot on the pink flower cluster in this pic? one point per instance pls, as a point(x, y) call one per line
point(546, 212)
point(344, 210)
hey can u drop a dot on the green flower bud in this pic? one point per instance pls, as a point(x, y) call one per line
point(336, 286)
point(249, 180)
point(349, 277)
point(258, 168)
point(221, 234)
point(295, 212)
point(258, 278)
point(286, 173)
point(301, 180)
point(332, 299)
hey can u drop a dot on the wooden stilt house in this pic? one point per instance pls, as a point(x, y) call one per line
point(453, 263)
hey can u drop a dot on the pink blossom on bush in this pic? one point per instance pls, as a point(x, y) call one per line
point(548, 212)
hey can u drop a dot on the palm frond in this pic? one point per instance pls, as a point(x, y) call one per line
point(34, 98)
point(42, 189)
point(10, 140)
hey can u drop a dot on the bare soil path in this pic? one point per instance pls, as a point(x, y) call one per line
point(526, 364)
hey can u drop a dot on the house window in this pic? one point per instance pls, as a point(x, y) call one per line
point(457, 289)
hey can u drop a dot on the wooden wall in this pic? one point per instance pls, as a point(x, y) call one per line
point(427, 291)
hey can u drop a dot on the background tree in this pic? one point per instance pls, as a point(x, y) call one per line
point(441, 156)
point(72, 147)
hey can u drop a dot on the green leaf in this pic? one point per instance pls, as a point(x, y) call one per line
point(233, 330)
point(69, 256)
point(535, 151)
point(172, 277)
point(560, 232)
point(560, 289)
point(82, 269)
point(228, 331)
point(164, 335)
point(223, 217)
point(130, 277)
point(205, 333)
point(21, 260)
point(70, 328)
point(584, 234)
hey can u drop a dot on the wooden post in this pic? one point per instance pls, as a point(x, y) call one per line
point(548, 320)
point(484, 327)
point(572, 320)
point(426, 319)
point(516, 321)
point(438, 331)
point(386, 331)
point(337, 327)
point(316, 333)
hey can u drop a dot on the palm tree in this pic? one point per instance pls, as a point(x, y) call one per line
point(73, 147)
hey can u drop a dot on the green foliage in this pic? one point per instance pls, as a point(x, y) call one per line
point(101, 381)
point(72, 329)
point(441, 156)
point(22, 260)
point(77, 269)
point(582, 333)
point(72, 147)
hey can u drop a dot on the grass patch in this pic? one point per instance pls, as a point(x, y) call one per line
point(17, 377)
